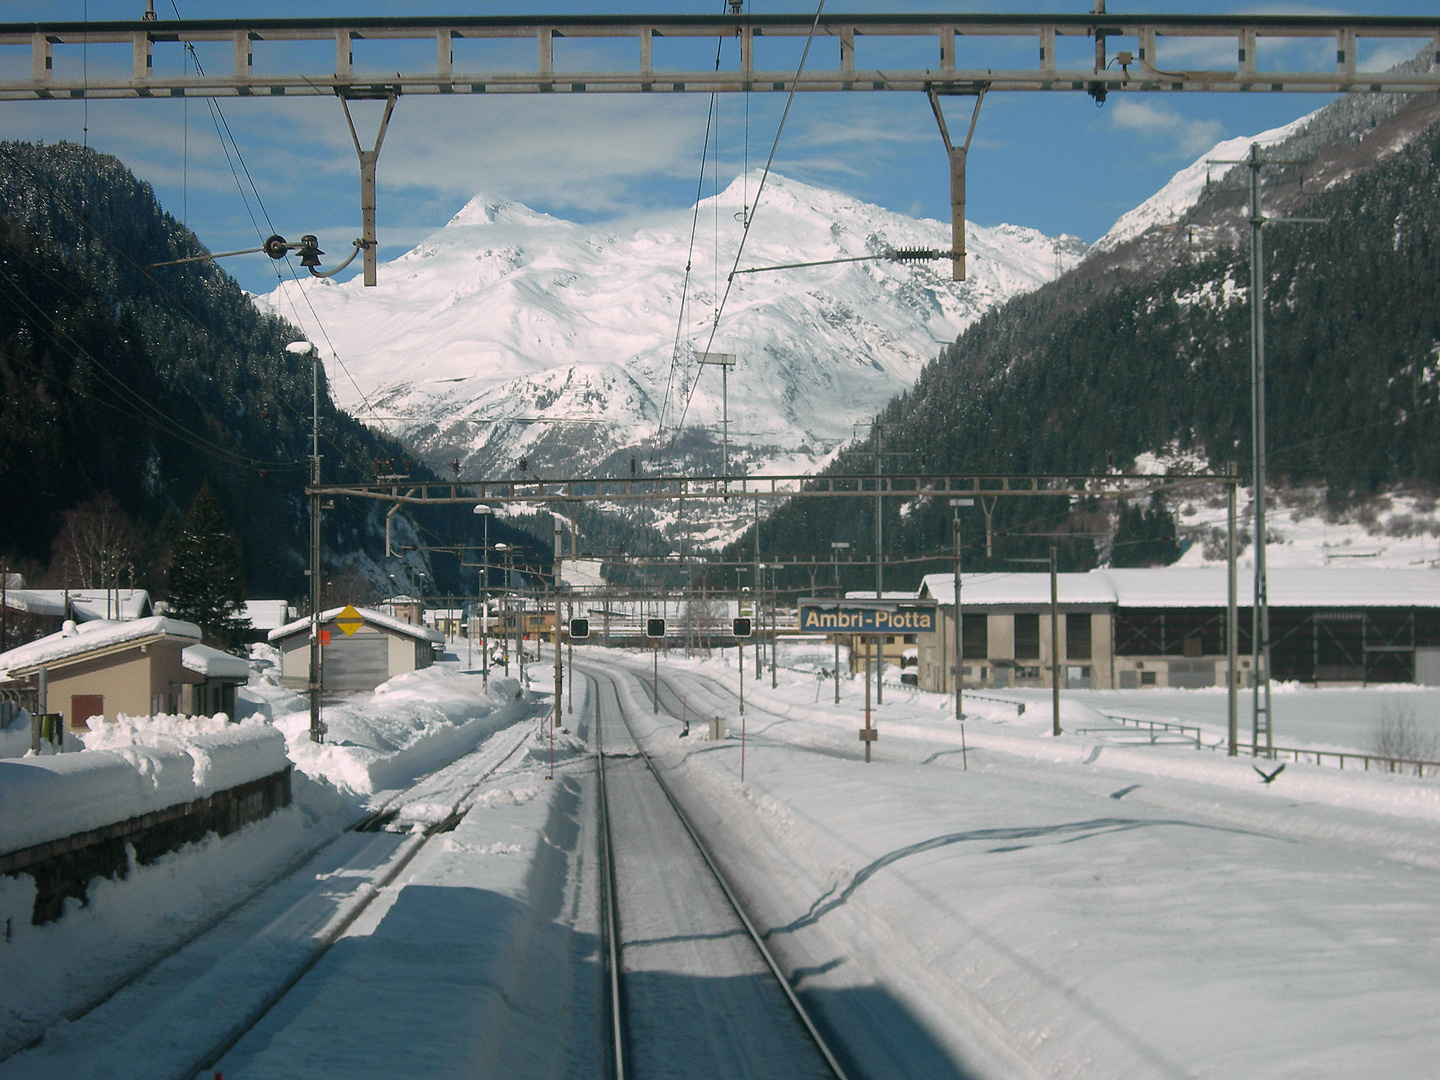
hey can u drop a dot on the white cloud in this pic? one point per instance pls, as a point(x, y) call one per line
point(1159, 123)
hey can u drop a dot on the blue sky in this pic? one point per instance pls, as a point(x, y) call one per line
point(1051, 161)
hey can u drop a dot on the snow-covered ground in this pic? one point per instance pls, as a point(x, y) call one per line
point(1080, 906)
point(992, 903)
point(378, 746)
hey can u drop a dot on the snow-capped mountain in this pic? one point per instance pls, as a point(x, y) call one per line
point(511, 333)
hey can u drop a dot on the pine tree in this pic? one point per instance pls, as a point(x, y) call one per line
point(1145, 537)
point(205, 578)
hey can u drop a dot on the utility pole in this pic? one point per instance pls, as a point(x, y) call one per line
point(555, 636)
point(724, 361)
point(484, 512)
point(956, 504)
point(837, 546)
point(879, 562)
point(1054, 638)
point(1260, 601)
point(755, 606)
point(774, 622)
point(1231, 630)
point(306, 348)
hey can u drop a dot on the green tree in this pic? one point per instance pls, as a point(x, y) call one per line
point(204, 581)
point(1145, 537)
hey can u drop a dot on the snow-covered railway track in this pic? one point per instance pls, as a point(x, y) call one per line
point(693, 986)
point(510, 744)
point(183, 1011)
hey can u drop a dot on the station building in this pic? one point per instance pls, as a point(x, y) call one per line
point(1166, 627)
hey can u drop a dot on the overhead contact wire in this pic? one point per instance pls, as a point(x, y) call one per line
point(750, 217)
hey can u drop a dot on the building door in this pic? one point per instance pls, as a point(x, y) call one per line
point(361, 662)
point(83, 707)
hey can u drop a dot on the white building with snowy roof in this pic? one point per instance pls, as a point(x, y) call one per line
point(1166, 627)
point(357, 654)
point(104, 668)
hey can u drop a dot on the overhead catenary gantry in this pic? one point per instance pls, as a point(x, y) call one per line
point(629, 489)
point(1128, 55)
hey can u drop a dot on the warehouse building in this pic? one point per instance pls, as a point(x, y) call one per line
point(1166, 627)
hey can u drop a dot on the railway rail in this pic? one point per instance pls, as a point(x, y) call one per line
point(815, 1058)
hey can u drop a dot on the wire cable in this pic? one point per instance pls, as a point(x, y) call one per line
point(750, 217)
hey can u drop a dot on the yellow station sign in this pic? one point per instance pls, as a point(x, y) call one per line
point(349, 620)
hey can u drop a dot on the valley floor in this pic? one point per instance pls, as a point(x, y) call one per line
point(992, 902)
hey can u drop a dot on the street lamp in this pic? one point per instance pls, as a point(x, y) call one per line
point(305, 348)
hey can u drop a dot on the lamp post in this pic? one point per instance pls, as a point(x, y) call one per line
point(305, 348)
point(484, 513)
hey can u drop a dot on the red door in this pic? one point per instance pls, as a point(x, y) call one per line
point(83, 707)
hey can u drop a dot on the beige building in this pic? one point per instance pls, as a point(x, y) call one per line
point(380, 648)
point(103, 668)
point(1166, 627)
point(1006, 634)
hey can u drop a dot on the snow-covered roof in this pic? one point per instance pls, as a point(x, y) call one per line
point(888, 594)
point(85, 605)
point(1183, 587)
point(214, 664)
point(374, 618)
point(267, 614)
point(988, 590)
point(75, 641)
point(37, 601)
point(90, 604)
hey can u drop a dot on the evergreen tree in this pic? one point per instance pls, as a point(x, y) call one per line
point(1145, 537)
point(205, 580)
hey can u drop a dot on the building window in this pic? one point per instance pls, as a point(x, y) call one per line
point(1027, 636)
point(975, 631)
point(1027, 672)
point(1077, 636)
point(1147, 678)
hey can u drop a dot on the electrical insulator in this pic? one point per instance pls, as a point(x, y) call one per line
point(914, 254)
point(310, 250)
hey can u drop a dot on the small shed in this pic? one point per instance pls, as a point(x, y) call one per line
point(221, 673)
point(104, 668)
point(356, 653)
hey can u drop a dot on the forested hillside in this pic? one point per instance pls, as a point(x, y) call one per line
point(1151, 353)
point(143, 385)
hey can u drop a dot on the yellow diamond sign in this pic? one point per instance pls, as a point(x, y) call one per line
point(349, 620)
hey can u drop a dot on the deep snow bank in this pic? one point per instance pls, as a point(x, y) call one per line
point(146, 766)
point(411, 725)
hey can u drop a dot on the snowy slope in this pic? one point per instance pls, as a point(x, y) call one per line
point(1179, 196)
point(507, 313)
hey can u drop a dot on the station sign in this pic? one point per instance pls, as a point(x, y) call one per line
point(868, 617)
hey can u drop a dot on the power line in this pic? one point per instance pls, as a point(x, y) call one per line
point(750, 217)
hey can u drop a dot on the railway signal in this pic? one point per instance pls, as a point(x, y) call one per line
point(654, 628)
point(579, 629)
point(741, 628)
